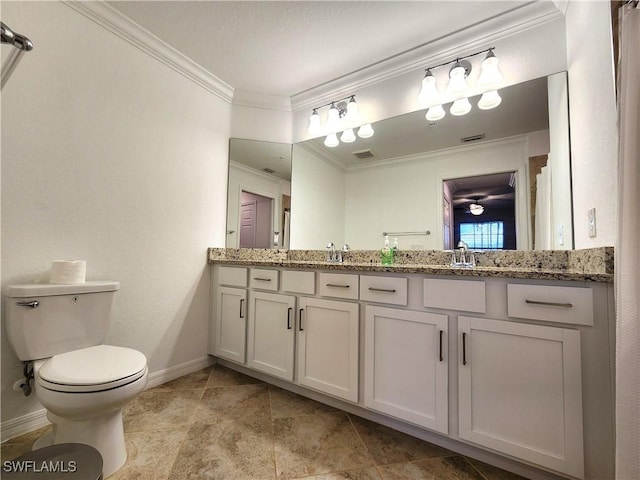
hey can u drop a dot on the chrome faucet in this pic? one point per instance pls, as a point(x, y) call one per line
point(331, 254)
point(341, 253)
point(336, 256)
point(461, 260)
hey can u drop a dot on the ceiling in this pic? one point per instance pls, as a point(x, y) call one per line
point(284, 48)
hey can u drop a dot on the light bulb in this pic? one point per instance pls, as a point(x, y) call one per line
point(490, 75)
point(489, 100)
point(457, 80)
point(314, 123)
point(365, 131)
point(460, 107)
point(429, 92)
point(348, 136)
point(331, 140)
point(435, 113)
point(476, 209)
point(333, 120)
point(352, 111)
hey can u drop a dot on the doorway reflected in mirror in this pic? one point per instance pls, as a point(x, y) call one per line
point(480, 211)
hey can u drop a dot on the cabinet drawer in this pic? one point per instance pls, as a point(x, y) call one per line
point(465, 295)
point(232, 276)
point(338, 285)
point(263, 279)
point(550, 303)
point(391, 290)
point(299, 282)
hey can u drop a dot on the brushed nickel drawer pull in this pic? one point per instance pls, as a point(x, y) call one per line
point(337, 286)
point(552, 304)
point(386, 290)
point(28, 303)
point(262, 279)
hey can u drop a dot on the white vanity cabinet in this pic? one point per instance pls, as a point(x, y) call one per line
point(520, 391)
point(271, 334)
point(230, 324)
point(328, 339)
point(514, 369)
point(406, 365)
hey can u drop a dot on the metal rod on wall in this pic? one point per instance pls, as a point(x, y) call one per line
point(403, 234)
point(22, 44)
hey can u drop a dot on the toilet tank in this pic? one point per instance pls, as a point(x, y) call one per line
point(43, 320)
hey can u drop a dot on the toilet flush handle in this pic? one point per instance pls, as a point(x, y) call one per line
point(28, 303)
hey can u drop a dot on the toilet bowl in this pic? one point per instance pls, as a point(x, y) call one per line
point(83, 384)
point(84, 392)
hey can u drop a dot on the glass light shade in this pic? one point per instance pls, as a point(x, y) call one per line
point(490, 75)
point(331, 140)
point(435, 113)
point(314, 123)
point(352, 111)
point(476, 209)
point(365, 131)
point(460, 107)
point(457, 81)
point(429, 92)
point(333, 120)
point(489, 100)
point(348, 136)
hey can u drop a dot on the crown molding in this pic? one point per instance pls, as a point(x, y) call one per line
point(529, 15)
point(520, 141)
point(259, 100)
point(133, 33)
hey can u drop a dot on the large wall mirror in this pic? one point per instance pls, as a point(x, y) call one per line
point(416, 180)
point(259, 194)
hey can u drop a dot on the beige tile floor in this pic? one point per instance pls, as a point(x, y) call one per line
point(222, 425)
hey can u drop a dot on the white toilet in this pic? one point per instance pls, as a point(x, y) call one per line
point(83, 384)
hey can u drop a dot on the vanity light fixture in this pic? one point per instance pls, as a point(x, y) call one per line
point(457, 87)
point(343, 115)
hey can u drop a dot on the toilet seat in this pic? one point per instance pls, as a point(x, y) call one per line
point(92, 369)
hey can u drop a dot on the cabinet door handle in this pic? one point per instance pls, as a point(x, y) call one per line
point(441, 332)
point(289, 310)
point(241, 303)
point(387, 290)
point(334, 285)
point(552, 304)
point(300, 324)
point(260, 279)
point(464, 348)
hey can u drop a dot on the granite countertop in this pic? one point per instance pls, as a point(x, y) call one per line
point(594, 264)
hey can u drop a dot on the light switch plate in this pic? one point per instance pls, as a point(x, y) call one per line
point(592, 222)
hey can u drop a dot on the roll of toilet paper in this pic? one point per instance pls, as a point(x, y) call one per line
point(69, 272)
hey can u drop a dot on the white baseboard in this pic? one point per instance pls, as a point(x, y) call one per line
point(23, 424)
point(38, 419)
point(171, 373)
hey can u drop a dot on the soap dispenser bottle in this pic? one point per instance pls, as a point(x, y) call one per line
point(386, 254)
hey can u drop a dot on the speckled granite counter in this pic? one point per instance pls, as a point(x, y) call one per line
point(594, 264)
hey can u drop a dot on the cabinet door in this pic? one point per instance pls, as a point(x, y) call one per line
point(271, 334)
point(328, 347)
point(406, 365)
point(521, 391)
point(230, 324)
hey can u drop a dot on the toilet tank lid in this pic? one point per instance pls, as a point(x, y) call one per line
point(50, 289)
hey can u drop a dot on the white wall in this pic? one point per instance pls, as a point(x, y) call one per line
point(110, 156)
point(317, 202)
point(593, 120)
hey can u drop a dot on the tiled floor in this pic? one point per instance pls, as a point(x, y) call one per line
point(219, 424)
